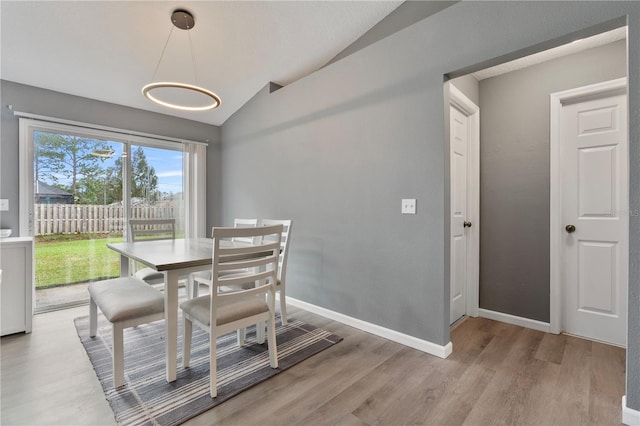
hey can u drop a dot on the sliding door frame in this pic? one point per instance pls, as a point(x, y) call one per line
point(194, 171)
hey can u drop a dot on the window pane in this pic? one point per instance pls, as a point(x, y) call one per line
point(77, 211)
point(157, 185)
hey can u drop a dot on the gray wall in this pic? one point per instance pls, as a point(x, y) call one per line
point(337, 150)
point(514, 175)
point(214, 184)
point(54, 104)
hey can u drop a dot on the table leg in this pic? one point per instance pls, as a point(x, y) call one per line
point(171, 323)
point(124, 266)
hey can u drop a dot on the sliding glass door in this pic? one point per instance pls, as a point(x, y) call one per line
point(85, 187)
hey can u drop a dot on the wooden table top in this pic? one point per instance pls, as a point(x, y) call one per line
point(169, 254)
point(165, 255)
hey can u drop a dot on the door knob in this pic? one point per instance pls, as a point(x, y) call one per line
point(467, 224)
point(570, 228)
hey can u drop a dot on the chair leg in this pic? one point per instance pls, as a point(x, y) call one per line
point(260, 332)
point(271, 335)
point(118, 355)
point(283, 307)
point(242, 335)
point(187, 328)
point(190, 288)
point(93, 318)
point(213, 373)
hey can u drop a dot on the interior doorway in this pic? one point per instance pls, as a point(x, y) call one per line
point(515, 212)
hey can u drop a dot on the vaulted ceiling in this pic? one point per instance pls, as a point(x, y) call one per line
point(108, 50)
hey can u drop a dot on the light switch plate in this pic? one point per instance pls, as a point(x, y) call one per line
point(4, 205)
point(408, 206)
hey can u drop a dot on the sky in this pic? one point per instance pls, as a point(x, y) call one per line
point(168, 167)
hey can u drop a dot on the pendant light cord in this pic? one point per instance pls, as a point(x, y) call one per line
point(193, 59)
point(166, 43)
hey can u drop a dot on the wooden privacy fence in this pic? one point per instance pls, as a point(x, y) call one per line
point(79, 218)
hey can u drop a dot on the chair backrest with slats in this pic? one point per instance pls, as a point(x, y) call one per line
point(244, 223)
point(152, 229)
point(284, 243)
point(255, 263)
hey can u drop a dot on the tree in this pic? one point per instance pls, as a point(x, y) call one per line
point(144, 181)
point(47, 157)
point(71, 163)
point(113, 183)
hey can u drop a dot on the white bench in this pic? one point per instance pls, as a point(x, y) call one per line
point(125, 302)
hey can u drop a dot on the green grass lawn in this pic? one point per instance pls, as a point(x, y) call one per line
point(74, 258)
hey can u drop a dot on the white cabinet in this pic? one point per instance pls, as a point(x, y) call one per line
point(16, 285)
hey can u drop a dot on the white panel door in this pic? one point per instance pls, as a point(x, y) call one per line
point(459, 135)
point(594, 152)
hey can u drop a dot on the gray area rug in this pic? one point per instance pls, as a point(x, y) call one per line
point(147, 398)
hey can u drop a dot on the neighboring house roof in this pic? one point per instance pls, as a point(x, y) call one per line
point(42, 188)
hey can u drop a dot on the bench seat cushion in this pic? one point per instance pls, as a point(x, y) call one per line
point(122, 299)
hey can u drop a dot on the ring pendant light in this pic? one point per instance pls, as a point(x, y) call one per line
point(183, 20)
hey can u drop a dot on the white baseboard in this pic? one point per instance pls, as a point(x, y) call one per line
point(512, 319)
point(630, 416)
point(413, 342)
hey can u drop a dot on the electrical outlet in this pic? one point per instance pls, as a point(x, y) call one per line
point(4, 205)
point(408, 206)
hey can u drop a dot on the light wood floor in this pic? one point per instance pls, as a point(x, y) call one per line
point(497, 374)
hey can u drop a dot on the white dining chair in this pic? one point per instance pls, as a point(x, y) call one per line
point(282, 274)
point(282, 267)
point(244, 223)
point(153, 230)
point(204, 277)
point(219, 313)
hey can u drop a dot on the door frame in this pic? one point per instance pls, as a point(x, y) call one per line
point(557, 100)
point(458, 100)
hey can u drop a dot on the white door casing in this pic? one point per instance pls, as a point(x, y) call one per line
point(464, 242)
point(590, 264)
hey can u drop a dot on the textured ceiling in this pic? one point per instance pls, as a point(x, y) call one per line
point(107, 50)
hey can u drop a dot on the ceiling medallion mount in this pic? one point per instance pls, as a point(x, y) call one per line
point(183, 20)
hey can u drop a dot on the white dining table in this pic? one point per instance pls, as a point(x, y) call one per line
point(176, 258)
